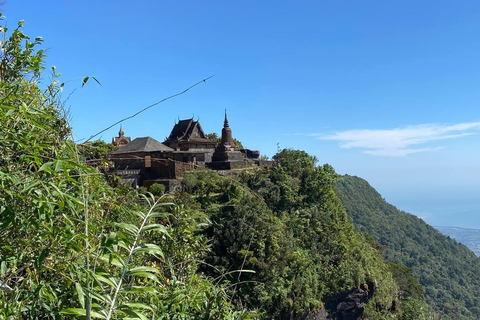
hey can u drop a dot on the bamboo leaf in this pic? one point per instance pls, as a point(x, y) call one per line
point(132, 314)
point(3, 268)
point(99, 297)
point(144, 268)
point(165, 204)
point(58, 165)
point(111, 282)
point(144, 274)
point(82, 312)
point(122, 243)
point(127, 227)
point(149, 248)
point(156, 227)
point(45, 166)
point(134, 289)
point(113, 259)
point(73, 200)
point(110, 239)
point(85, 80)
point(29, 186)
point(135, 305)
point(40, 259)
point(81, 295)
point(158, 215)
point(96, 81)
point(139, 214)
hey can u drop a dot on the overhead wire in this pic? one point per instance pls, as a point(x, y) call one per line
point(148, 107)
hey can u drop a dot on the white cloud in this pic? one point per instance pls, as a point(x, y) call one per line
point(400, 141)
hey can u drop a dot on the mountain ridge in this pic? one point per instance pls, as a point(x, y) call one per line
point(446, 269)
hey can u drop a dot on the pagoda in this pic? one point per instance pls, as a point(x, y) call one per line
point(227, 155)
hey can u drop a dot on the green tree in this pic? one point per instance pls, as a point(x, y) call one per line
point(19, 57)
point(214, 137)
point(295, 162)
point(98, 150)
point(407, 283)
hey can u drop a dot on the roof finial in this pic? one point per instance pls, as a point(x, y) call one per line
point(121, 133)
point(225, 123)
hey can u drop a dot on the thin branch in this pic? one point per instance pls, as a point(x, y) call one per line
point(241, 269)
point(246, 281)
point(88, 306)
point(146, 108)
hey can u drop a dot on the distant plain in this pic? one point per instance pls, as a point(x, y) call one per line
point(467, 237)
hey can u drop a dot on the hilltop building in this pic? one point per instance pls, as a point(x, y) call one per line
point(187, 135)
point(145, 161)
point(227, 155)
point(121, 140)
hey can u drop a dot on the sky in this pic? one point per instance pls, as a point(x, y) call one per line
point(384, 90)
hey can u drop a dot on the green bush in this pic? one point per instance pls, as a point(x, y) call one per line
point(157, 189)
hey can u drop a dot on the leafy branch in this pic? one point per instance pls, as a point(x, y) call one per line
point(129, 238)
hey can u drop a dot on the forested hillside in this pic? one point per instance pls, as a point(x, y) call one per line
point(287, 225)
point(448, 270)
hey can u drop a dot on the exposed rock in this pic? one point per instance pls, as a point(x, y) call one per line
point(346, 305)
point(350, 304)
point(317, 315)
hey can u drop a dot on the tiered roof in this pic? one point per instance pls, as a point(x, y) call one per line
point(186, 130)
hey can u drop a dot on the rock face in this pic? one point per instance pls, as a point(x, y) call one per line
point(319, 315)
point(347, 305)
point(350, 304)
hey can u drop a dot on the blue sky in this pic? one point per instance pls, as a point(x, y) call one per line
point(385, 90)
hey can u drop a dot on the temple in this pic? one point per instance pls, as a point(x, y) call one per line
point(121, 140)
point(188, 136)
point(227, 155)
point(145, 161)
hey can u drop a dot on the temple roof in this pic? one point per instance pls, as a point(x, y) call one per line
point(121, 140)
point(186, 130)
point(145, 144)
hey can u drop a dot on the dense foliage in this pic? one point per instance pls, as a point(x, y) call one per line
point(95, 151)
point(287, 225)
point(447, 270)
